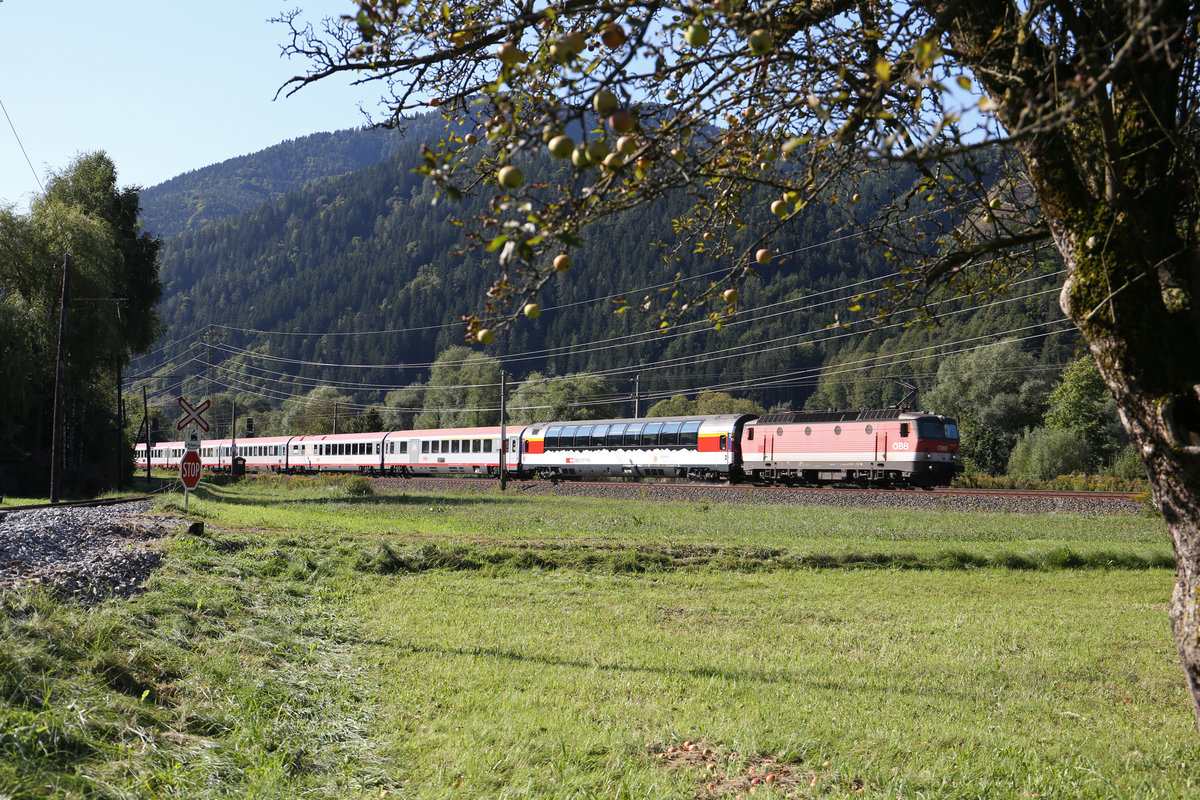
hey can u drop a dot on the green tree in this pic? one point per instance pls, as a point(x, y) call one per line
point(313, 413)
point(114, 286)
point(1082, 404)
point(401, 407)
point(568, 397)
point(994, 393)
point(1071, 123)
point(706, 403)
point(463, 391)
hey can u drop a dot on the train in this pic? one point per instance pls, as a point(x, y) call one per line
point(892, 446)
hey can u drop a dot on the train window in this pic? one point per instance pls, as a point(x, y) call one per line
point(903, 429)
point(837, 430)
point(435, 446)
point(583, 437)
point(487, 445)
point(550, 442)
point(670, 434)
point(750, 434)
point(689, 434)
point(650, 436)
point(404, 447)
point(445, 445)
point(599, 434)
point(568, 437)
point(616, 434)
point(723, 442)
point(454, 446)
point(633, 434)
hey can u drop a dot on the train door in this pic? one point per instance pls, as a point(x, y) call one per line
point(414, 451)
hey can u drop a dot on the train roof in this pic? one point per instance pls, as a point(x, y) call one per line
point(537, 427)
point(872, 415)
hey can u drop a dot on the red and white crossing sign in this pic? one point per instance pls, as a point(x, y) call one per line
point(189, 469)
point(193, 415)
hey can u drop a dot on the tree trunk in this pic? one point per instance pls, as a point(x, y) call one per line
point(1147, 346)
point(1116, 188)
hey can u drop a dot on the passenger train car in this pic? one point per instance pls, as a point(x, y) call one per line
point(890, 446)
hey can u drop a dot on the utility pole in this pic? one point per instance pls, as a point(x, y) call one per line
point(335, 416)
point(637, 395)
point(503, 429)
point(120, 430)
point(56, 441)
point(146, 422)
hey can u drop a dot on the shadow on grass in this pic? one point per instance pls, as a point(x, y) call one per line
point(429, 556)
point(233, 497)
point(776, 676)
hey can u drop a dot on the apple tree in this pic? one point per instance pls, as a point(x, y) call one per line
point(990, 129)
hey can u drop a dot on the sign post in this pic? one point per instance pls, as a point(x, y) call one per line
point(189, 467)
point(189, 473)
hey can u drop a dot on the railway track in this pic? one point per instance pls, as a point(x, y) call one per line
point(107, 501)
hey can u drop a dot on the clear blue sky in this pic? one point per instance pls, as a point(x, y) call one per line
point(162, 86)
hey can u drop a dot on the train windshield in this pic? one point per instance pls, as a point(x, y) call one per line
point(934, 429)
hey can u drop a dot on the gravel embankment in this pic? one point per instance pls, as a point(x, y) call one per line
point(85, 553)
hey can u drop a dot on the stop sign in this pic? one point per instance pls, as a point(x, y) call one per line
point(189, 469)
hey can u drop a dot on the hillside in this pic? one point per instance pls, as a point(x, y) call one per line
point(358, 267)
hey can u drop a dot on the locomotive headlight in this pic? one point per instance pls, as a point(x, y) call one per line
point(928, 454)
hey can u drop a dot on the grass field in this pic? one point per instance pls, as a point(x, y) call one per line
point(314, 643)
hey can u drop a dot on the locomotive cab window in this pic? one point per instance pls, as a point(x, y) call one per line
point(750, 434)
point(903, 429)
point(930, 429)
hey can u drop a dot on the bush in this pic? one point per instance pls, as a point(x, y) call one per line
point(358, 486)
point(1044, 453)
point(1127, 464)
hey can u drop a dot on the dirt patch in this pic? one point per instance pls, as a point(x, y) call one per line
point(722, 773)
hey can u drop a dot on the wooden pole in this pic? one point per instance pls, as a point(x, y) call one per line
point(56, 441)
point(503, 430)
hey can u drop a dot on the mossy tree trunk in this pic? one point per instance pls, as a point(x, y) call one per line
point(1116, 187)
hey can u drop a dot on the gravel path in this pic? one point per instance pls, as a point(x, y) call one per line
point(85, 553)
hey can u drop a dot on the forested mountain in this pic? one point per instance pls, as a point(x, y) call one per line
point(202, 197)
point(343, 266)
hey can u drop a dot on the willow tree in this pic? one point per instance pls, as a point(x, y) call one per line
point(1025, 123)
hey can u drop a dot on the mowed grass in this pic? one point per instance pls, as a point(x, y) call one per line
point(315, 644)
